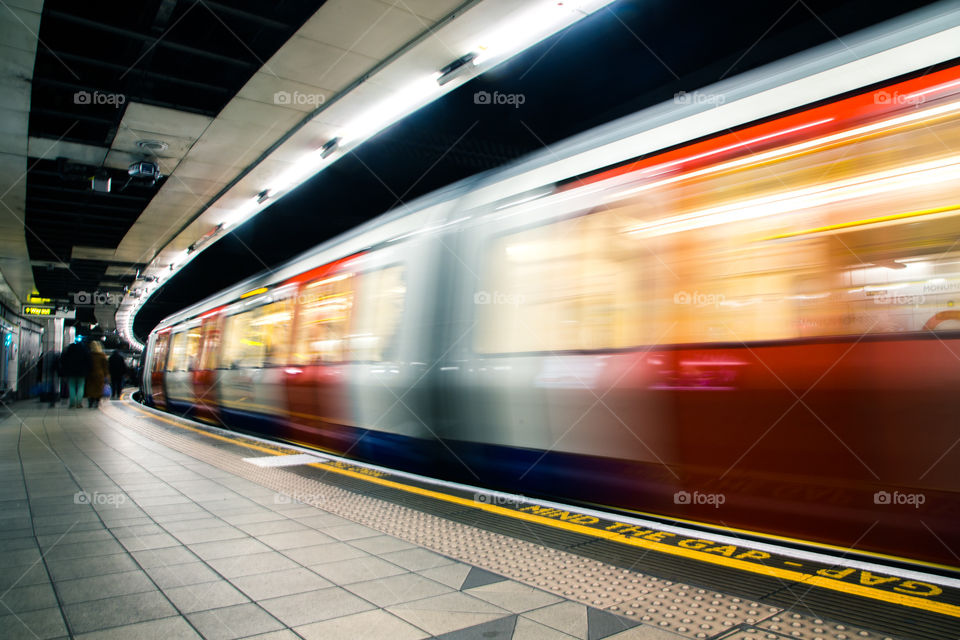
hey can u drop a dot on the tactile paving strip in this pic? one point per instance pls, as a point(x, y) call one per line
point(680, 608)
point(795, 625)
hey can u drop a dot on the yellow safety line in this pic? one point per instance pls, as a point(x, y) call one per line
point(809, 543)
point(733, 563)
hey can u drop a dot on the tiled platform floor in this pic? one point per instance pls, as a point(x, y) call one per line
point(105, 533)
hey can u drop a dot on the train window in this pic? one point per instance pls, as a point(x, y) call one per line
point(570, 285)
point(257, 337)
point(210, 332)
point(380, 296)
point(325, 309)
point(185, 347)
point(160, 348)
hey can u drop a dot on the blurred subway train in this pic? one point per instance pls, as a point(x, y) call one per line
point(752, 322)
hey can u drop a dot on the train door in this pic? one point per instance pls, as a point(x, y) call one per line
point(393, 340)
point(546, 367)
point(317, 395)
point(158, 365)
point(250, 377)
point(184, 353)
point(204, 376)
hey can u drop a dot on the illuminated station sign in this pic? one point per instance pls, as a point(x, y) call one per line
point(35, 310)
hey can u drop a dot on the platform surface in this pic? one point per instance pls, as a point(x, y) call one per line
point(118, 525)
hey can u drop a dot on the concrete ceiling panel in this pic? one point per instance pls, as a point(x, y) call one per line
point(219, 172)
point(270, 89)
point(12, 126)
point(126, 140)
point(16, 63)
point(161, 121)
point(91, 253)
point(431, 9)
point(274, 117)
point(19, 28)
point(13, 176)
point(367, 27)
point(317, 64)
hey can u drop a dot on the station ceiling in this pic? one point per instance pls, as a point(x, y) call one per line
point(104, 78)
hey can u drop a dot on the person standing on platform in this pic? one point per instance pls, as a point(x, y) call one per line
point(97, 376)
point(74, 367)
point(117, 368)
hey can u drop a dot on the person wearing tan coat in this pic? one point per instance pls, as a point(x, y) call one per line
point(97, 376)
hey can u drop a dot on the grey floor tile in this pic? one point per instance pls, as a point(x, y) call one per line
point(201, 597)
point(416, 559)
point(351, 532)
point(136, 531)
point(315, 606)
point(297, 510)
point(234, 622)
point(367, 625)
point(182, 575)
point(137, 521)
point(451, 575)
point(114, 612)
point(261, 515)
point(18, 558)
point(65, 551)
point(209, 534)
point(228, 548)
point(497, 628)
point(397, 589)
point(94, 535)
point(165, 557)
point(28, 598)
point(31, 625)
point(381, 544)
point(175, 628)
point(295, 539)
point(6, 533)
point(16, 544)
point(272, 526)
point(182, 509)
point(66, 527)
point(198, 515)
point(527, 629)
point(23, 576)
point(257, 563)
point(320, 520)
point(321, 553)
point(280, 583)
point(568, 617)
point(99, 587)
point(154, 541)
point(359, 569)
point(513, 596)
point(87, 567)
point(285, 634)
point(157, 501)
point(193, 524)
point(448, 612)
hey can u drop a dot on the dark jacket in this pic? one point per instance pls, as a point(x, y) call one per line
point(75, 361)
point(117, 366)
point(97, 376)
